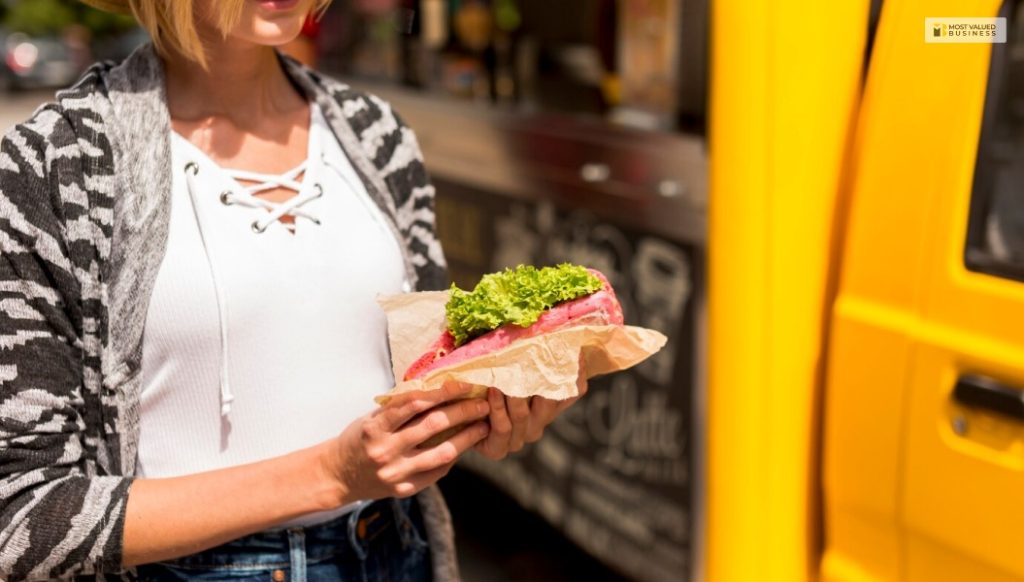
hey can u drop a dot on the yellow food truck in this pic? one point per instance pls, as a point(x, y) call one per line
point(865, 396)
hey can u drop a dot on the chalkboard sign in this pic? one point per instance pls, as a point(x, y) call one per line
point(614, 472)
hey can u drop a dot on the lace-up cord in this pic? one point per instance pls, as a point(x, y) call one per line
point(276, 210)
point(247, 198)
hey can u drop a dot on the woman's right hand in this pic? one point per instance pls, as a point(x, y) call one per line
point(378, 455)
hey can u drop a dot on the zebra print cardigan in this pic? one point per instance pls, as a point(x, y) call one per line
point(84, 206)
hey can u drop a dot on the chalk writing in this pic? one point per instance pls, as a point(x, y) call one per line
point(614, 470)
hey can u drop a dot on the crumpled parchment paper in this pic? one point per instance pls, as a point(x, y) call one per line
point(547, 365)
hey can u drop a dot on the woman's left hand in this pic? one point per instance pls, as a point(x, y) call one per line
point(518, 421)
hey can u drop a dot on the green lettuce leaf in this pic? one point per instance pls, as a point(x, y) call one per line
point(517, 296)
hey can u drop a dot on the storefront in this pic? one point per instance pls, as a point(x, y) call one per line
point(570, 131)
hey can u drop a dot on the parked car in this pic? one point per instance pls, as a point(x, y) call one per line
point(35, 61)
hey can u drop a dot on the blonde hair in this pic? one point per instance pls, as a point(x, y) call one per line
point(171, 23)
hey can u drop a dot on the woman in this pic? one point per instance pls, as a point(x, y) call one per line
point(190, 245)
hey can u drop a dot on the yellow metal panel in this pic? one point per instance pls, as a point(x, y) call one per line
point(862, 431)
point(962, 505)
point(785, 87)
point(888, 215)
point(907, 498)
point(869, 351)
point(936, 562)
point(962, 491)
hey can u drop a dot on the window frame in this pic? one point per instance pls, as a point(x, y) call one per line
point(977, 257)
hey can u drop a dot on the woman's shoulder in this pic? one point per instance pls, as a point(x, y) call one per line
point(363, 109)
point(43, 159)
point(58, 124)
point(79, 114)
point(392, 147)
point(381, 131)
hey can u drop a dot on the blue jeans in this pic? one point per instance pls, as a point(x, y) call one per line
point(383, 540)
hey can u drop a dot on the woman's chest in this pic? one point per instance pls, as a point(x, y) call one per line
point(328, 271)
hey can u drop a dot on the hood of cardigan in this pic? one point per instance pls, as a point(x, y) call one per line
point(133, 110)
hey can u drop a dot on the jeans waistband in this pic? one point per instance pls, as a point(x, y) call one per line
point(351, 533)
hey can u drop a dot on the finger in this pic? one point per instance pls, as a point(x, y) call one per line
point(495, 446)
point(447, 452)
point(543, 409)
point(501, 422)
point(440, 419)
point(403, 407)
point(519, 413)
point(582, 384)
point(542, 412)
point(491, 451)
point(421, 481)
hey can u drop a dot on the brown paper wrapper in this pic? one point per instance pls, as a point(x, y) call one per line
point(547, 365)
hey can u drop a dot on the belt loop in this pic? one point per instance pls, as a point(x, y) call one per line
point(353, 531)
point(297, 551)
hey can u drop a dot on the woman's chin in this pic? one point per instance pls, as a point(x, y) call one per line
point(269, 33)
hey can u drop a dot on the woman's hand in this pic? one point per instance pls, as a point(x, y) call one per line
point(377, 456)
point(517, 421)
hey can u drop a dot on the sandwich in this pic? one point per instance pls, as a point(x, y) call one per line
point(516, 304)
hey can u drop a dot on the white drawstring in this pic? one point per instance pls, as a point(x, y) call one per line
point(226, 397)
point(276, 210)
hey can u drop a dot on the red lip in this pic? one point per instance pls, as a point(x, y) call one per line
point(278, 4)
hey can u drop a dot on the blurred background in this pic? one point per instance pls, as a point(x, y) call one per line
point(839, 398)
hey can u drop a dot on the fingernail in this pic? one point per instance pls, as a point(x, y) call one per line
point(481, 407)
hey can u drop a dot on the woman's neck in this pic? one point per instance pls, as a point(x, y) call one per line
point(241, 83)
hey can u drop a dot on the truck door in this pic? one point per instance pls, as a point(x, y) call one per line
point(963, 477)
point(924, 406)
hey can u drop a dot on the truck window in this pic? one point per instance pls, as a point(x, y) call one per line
point(995, 240)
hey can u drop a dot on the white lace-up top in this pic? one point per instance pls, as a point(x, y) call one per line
point(264, 337)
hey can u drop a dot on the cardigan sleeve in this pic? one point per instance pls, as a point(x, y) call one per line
point(406, 175)
point(395, 152)
point(60, 515)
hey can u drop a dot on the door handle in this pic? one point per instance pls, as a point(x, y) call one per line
point(992, 395)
